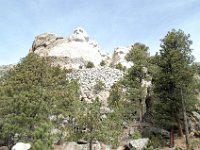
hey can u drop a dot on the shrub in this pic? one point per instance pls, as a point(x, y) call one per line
point(136, 135)
point(89, 64)
point(80, 67)
point(120, 67)
point(102, 63)
point(99, 86)
point(157, 141)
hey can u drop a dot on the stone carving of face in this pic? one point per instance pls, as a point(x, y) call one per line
point(78, 30)
point(80, 35)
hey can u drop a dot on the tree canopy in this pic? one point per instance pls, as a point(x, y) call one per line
point(135, 75)
point(174, 79)
point(29, 94)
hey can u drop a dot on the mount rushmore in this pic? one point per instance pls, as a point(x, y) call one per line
point(77, 49)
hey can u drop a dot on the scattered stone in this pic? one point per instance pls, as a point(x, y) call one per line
point(88, 78)
point(75, 146)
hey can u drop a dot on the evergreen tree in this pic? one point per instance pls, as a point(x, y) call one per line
point(29, 95)
point(138, 55)
point(115, 99)
point(174, 80)
point(91, 126)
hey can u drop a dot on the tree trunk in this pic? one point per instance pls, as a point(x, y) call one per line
point(171, 144)
point(90, 144)
point(185, 121)
point(179, 126)
point(141, 110)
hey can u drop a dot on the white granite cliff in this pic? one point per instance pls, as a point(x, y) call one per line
point(69, 52)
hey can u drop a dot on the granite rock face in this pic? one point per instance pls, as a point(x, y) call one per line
point(76, 50)
point(119, 56)
point(71, 52)
point(5, 68)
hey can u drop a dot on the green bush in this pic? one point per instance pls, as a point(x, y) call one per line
point(102, 63)
point(99, 86)
point(120, 67)
point(136, 135)
point(80, 67)
point(157, 141)
point(89, 64)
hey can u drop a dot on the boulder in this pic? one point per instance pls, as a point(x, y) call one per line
point(139, 144)
point(21, 146)
point(196, 115)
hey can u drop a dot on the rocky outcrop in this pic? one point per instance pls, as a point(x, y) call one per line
point(194, 122)
point(119, 56)
point(44, 42)
point(139, 144)
point(88, 78)
point(5, 68)
point(71, 52)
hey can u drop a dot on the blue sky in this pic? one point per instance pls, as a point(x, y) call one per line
point(111, 23)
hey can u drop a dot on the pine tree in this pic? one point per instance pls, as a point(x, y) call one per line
point(91, 126)
point(29, 95)
point(174, 80)
point(138, 55)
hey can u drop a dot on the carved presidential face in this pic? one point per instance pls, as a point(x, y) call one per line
point(79, 34)
point(78, 30)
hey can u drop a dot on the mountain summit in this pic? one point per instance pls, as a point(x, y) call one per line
point(70, 52)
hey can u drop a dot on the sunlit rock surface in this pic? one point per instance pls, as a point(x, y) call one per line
point(71, 52)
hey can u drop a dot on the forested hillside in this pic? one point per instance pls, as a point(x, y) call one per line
point(151, 103)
